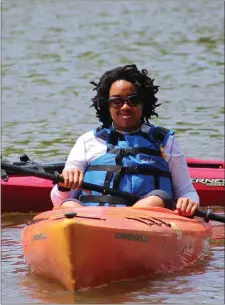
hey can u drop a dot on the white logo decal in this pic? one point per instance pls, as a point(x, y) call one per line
point(146, 160)
point(209, 182)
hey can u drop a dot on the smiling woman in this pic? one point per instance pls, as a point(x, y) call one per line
point(116, 154)
point(124, 106)
point(123, 82)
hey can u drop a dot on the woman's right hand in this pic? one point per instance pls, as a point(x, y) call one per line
point(73, 178)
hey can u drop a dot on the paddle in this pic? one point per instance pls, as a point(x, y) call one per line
point(55, 178)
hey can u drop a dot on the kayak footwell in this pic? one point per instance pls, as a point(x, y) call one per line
point(93, 246)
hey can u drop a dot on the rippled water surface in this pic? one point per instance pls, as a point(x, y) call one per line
point(51, 50)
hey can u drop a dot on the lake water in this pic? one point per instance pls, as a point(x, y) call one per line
point(51, 50)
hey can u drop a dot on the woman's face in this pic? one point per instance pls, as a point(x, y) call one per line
point(126, 116)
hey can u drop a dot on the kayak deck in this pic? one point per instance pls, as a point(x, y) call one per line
point(92, 246)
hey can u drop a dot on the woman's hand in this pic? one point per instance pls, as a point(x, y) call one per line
point(73, 178)
point(186, 207)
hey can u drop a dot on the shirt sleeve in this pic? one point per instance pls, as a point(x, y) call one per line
point(77, 156)
point(181, 180)
point(75, 160)
point(58, 197)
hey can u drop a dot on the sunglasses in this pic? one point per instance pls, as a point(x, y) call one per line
point(117, 102)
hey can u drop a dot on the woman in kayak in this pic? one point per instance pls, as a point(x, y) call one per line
point(127, 152)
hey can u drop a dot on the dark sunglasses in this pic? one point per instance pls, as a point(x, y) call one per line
point(117, 102)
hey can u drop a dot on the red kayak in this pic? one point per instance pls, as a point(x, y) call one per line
point(208, 180)
point(27, 193)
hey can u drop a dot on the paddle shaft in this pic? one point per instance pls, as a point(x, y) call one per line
point(209, 215)
point(56, 178)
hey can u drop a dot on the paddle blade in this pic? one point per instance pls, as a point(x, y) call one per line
point(55, 177)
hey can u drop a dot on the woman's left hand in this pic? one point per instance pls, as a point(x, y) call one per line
point(186, 207)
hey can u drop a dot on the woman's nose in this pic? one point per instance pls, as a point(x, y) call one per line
point(125, 105)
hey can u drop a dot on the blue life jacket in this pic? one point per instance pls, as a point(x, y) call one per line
point(132, 163)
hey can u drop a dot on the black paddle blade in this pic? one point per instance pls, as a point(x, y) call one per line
point(23, 170)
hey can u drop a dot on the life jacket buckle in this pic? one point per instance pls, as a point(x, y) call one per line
point(104, 191)
point(122, 152)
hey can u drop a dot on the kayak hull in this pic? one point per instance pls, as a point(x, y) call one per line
point(94, 246)
point(27, 193)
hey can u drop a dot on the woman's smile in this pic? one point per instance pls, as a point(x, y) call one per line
point(125, 115)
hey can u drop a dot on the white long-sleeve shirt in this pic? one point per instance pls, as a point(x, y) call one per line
point(88, 147)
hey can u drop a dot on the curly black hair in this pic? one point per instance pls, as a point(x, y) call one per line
point(146, 91)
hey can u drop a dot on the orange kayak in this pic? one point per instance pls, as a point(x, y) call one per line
point(92, 246)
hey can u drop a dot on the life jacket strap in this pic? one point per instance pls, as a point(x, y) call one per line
point(156, 181)
point(119, 174)
point(111, 138)
point(108, 178)
point(129, 170)
point(114, 137)
point(102, 199)
point(134, 151)
point(144, 171)
point(121, 152)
